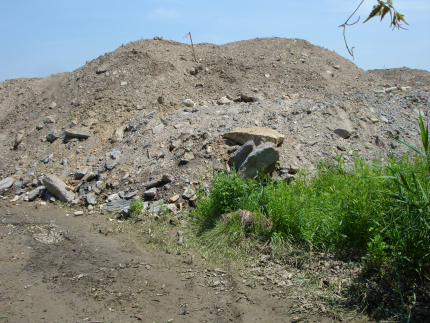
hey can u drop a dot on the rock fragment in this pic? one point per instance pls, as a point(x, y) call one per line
point(6, 183)
point(37, 192)
point(117, 205)
point(345, 134)
point(151, 192)
point(58, 188)
point(261, 160)
point(224, 101)
point(49, 119)
point(256, 134)
point(75, 134)
point(240, 155)
point(189, 103)
point(91, 199)
point(18, 139)
point(52, 136)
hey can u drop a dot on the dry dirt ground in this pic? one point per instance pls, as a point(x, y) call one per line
point(55, 267)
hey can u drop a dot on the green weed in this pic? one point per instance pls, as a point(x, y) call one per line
point(136, 207)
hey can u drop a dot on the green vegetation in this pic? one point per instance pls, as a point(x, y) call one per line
point(378, 212)
point(136, 207)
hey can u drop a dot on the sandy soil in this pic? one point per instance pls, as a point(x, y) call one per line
point(55, 267)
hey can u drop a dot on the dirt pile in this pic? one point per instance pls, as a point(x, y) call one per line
point(122, 118)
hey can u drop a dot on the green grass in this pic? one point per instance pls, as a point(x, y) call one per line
point(379, 212)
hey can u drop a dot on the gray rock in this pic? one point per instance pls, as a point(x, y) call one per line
point(47, 159)
point(186, 158)
point(18, 138)
point(224, 101)
point(261, 160)
point(48, 196)
point(174, 144)
point(130, 195)
point(240, 155)
point(18, 188)
point(75, 134)
point(154, 183)
point(58, 188)
point(345, 134)
point(113, 197)
point(52, 136)
point(257, 98)
point(390, 89)
point(158, 38)
point(151, 192)
point(188, 193)
point(117, 135)
point(246, 98)
point(66, 172)
point(37, 192)
point(114, 154)
point(110, 164)
point(89, 176)
point(188, 103)
point(164, 179)
point(117, 205)
point(49, 119)
point(6, 183)
point(158, 129)
point(79, 174)
point(167, 178)
point(91, 199)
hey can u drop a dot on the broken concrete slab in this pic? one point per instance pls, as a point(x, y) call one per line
point(57, 187)
point(257, 134)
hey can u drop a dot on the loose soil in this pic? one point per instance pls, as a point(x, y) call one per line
point(59, 268)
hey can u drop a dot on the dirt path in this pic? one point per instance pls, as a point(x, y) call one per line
point(58, 268)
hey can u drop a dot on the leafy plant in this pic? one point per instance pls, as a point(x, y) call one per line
point(381, 9)
point(384, 7)
point(136, 207)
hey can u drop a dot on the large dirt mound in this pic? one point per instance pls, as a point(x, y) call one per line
point(140, 72)
point(303, 91)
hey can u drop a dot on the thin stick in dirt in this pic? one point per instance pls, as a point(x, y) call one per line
point(192, 45)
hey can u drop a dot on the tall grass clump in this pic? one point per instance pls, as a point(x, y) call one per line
point(408, 240)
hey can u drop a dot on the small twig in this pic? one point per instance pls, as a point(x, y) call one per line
point(192, 45)
point(350, 51)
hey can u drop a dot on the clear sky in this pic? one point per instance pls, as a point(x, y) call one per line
point(43, 37)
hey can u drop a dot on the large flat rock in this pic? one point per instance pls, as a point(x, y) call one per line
point(57, 187)
point(257, 134)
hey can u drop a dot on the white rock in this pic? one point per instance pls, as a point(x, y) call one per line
point(189, 103)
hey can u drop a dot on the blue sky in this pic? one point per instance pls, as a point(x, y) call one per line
point(43, 37)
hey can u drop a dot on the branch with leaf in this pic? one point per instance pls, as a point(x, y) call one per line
point(381, 9)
